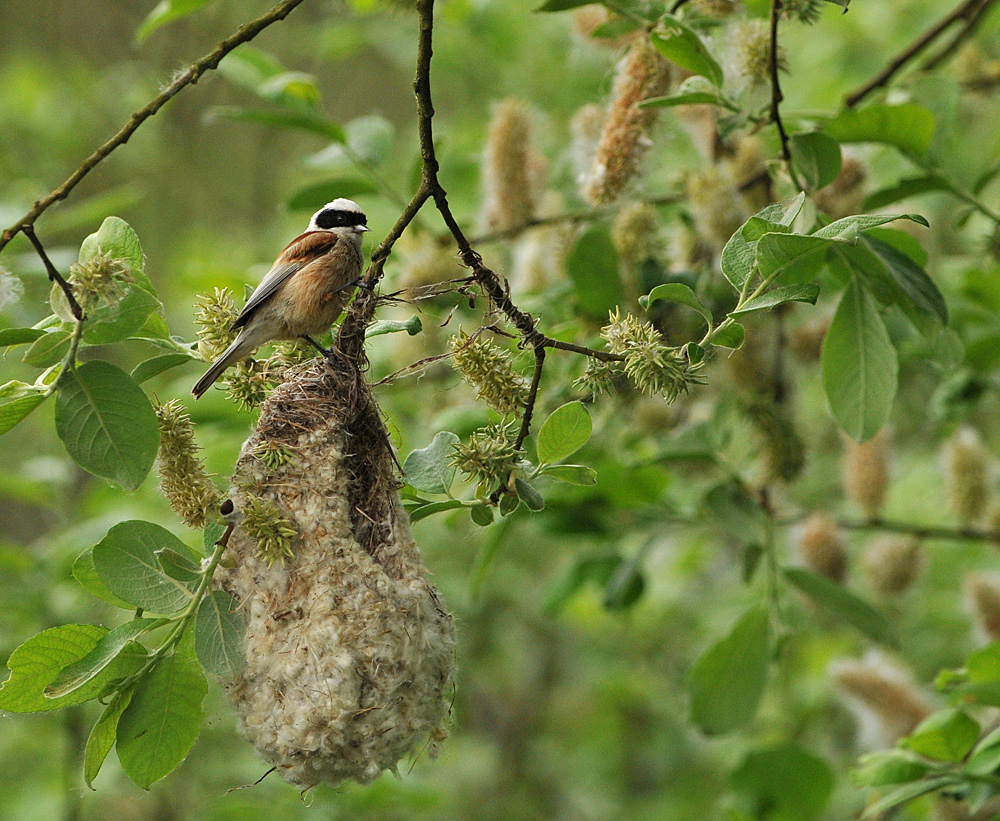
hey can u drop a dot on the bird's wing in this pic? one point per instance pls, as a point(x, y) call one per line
point(298, 253)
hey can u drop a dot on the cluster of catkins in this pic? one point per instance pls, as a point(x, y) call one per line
point(884, 697)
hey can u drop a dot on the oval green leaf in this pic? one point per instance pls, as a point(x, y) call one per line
point(106, 423)
point(430, 469)
point(565, 431)
point(218, 634)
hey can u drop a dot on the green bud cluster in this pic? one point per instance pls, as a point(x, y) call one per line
point(488, 369)
point(183, 479)
point(103, 278)
point(273, 454)
point(263, 522)
point(488, 458)
point(216, 313)
point(648, 363)
point(753, 51)
point(250, 381)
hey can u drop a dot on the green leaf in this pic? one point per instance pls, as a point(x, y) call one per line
point(983, 665)
point(907, 793)
point(482, 515)
point(315, 196)
point(562, 5)
point(86, 574)
point(947, 735)
point(731, 336)
point(985, 758)
point(852, 609)
point(755, 227)
point(909, 127)
point(731, 507)
point(904, 189)
point(793, 784)
point(423, 511)
point(17, 400)
point(166, 11)
point(565, 431)
point(859, 365)
point(850, 228)
point(728, 681)
point(74, 676)
point(218, 634)
point(793, 257)
point(161, 723)
point(289, 120)
point(126, 562)
point(626, 585)
point(526, 493)
point(178, 566)
point(48, 349)
point(113, 323)
point(738, 258)
point(693, 98)
point(885, 767)
point(36, 663)
point(593, 268)
point(412, 326)
point(159, 364)
point(573, 474)
point(676, 292)
point(430, 469)
point(915, 286)
point(807, 292)
point(596, 568)
point(107, 423)
point(817, 157)
point(683, 46)
point(740, 254)
point(103, 735)
point(19, 336)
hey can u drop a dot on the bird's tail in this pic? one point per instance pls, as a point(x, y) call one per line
point(234, 353)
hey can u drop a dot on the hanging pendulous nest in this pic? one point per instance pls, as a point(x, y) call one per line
point(350, 654)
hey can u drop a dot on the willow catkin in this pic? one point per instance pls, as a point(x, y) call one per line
point(866, 472)
point(822, 547)
point(511, 168)
point(349, 651)
point(966, 468)
point(983, 593)
point(643, 73)
point(885, 700)
point(892, 564)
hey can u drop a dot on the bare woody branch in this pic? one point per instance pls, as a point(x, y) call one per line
point(774, 66)
point(187, 77)
point(970, 9)
point(54, 275)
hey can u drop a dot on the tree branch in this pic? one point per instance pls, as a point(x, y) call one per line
point(187, 77)
point(54, 275)
point(972, 22)
point(776, 95)
point(964, 11)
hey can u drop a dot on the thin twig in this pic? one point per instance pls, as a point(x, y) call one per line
point(579, 215)
point(187, 77)
point(529, 405)
point(776, 95)
point(911, 529)
point(54, 275)
point(963, 11)
point(972, 22)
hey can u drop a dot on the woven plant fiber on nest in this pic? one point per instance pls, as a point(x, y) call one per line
point(350, 654)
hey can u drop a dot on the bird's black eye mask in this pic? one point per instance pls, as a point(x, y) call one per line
point(331, 218)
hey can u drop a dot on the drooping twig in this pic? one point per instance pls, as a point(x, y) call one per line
point(529, 405)
point(774, 65)
point(964, 11)
point(54, 275)
point(187, 77)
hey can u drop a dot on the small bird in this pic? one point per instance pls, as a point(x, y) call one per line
point(305, 290)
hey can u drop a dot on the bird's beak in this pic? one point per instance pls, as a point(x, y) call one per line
point(360, 229)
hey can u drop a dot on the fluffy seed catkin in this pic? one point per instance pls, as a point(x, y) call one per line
point(509, 168)
point(892, 564)
point(866, 472)
point(822, 547)
point(350, 654)
point(966, 467)
point(984, 597)
point(642, 73)
point(884, 699)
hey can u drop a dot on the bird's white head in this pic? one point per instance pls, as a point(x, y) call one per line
point(342, 216)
